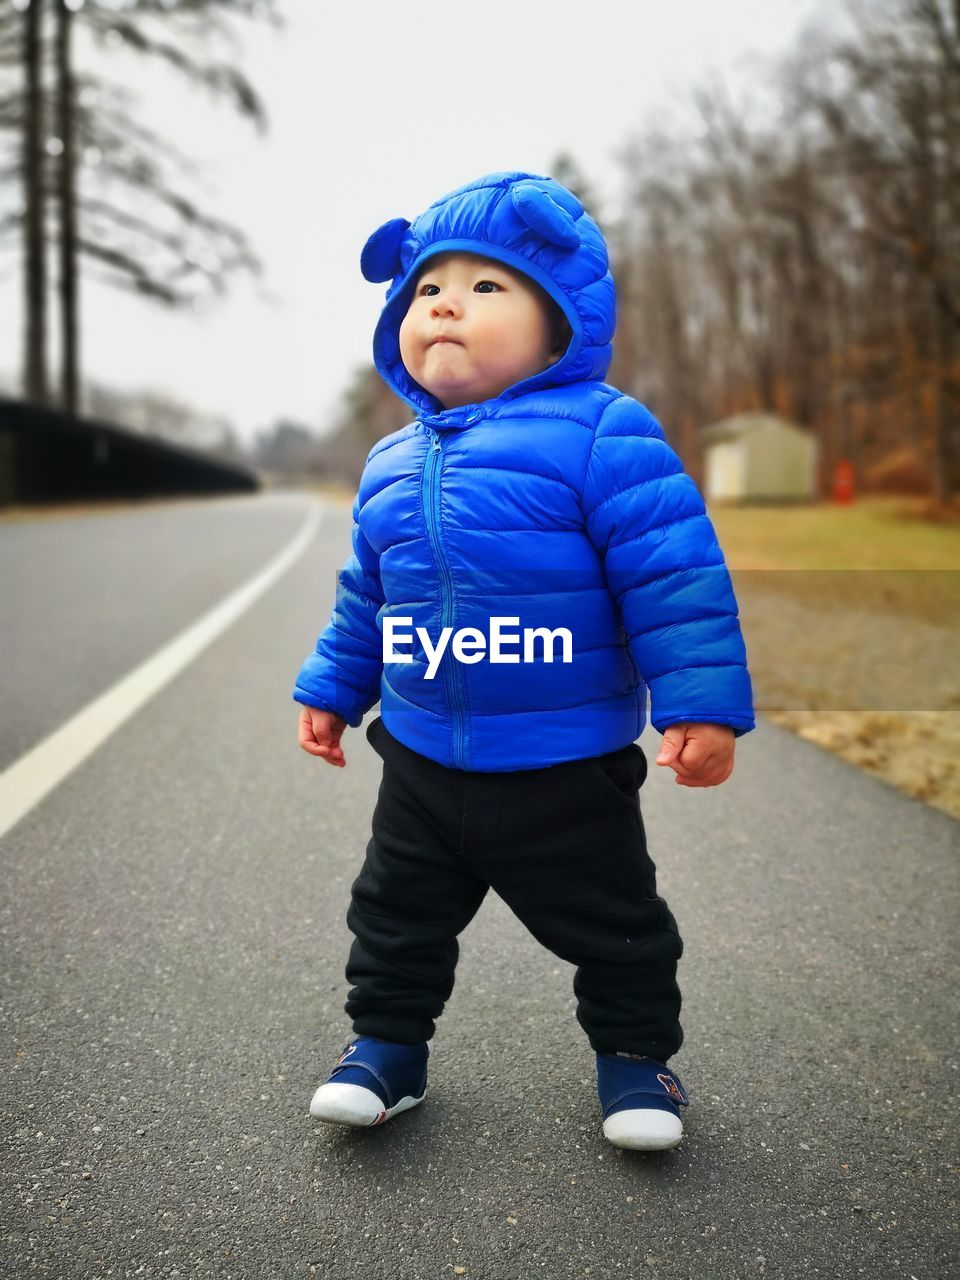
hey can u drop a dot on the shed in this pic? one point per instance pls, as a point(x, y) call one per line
point(757, 457)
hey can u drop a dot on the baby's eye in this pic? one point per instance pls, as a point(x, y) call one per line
point(479, 283)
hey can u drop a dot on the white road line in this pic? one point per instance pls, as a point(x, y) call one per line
point(25, 783)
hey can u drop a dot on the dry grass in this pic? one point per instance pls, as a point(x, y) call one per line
point(872, 533)
point(335, 491)
point(919, 752)
point(851, 617)
point(20, 514)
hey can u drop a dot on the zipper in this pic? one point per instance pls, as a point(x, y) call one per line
point(451, 674)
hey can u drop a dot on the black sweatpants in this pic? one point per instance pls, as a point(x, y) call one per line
point(563, 846)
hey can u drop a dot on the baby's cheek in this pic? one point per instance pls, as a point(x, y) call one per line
point(407, 353)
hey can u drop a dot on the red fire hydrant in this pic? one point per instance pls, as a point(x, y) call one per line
point(843, 481)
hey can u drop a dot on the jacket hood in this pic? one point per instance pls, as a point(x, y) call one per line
point(526, 221)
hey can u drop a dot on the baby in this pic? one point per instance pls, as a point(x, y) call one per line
point(529, 559)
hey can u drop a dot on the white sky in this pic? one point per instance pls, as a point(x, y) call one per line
point(376, 110)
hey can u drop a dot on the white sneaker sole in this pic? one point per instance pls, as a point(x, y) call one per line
point(643, 1130)
point(352, 1104)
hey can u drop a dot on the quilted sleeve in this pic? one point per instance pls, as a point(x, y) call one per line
point(667, 573)
point(343, 673)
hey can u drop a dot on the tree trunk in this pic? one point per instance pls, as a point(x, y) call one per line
point(35, 384)
point(68, 213)
point(943, 476)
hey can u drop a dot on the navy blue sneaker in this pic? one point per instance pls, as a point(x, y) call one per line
point(640, 1101)
point(372, 1081)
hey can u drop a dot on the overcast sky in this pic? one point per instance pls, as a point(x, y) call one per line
point(376, 110)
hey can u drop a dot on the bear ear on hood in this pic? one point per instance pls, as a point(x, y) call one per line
point(380, 257)
point(542, 213)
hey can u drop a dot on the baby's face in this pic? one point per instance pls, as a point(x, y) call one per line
point(498, 319)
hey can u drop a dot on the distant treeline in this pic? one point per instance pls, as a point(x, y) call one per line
point(796, 251)
point(803, 255)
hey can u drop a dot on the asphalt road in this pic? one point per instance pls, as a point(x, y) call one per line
point(172, 938)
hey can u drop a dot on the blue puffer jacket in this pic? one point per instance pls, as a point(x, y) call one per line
point(556, 504)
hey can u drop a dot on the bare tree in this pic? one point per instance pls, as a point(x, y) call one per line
point(67, 208)
point(22, 112)
point(120, 209)
point(895, 133)
point(798, 249)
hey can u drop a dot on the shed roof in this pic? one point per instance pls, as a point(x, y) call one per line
point(743, 424)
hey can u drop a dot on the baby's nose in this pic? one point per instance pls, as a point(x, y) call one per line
point(446, 304)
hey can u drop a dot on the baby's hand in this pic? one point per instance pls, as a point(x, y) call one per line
point(320, 733)
point(701, 755)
